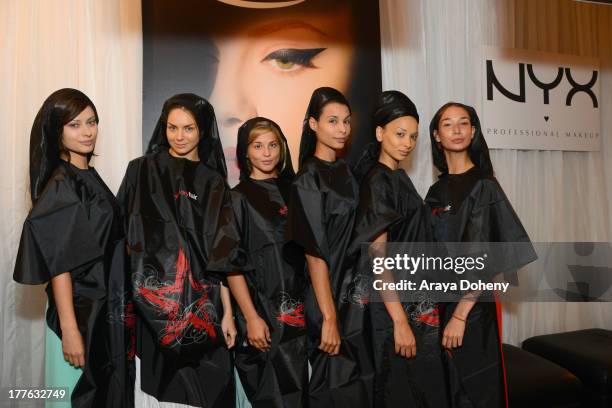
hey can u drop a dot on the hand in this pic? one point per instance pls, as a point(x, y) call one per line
point(73, 348)
point(330, 337)
point(453, 333)
point(258, 333)
point(405, 343)
point(228, 327)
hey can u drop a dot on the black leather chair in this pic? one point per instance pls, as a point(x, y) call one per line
point(536, 382)
point(587, 354)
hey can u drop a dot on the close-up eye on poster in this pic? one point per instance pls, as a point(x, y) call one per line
point(261, 58)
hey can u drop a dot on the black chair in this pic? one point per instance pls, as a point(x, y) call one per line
point(587, 354)
point(536, 382)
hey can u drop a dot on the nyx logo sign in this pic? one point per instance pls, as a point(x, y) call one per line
point(546, 87)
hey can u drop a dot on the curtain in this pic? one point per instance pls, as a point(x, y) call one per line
point(431, 50)
point(95, 46)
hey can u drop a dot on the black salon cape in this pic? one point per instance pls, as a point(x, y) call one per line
point(472, 207)
point(182, 238)
point(390, 203)
point(279, 377)
point(321, 216)
point(75, 226)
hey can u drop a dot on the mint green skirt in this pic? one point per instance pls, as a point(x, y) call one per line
point(58, 373)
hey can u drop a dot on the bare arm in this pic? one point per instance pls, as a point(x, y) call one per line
point(455, 328)
point(226, 301)
point(72, 341)
point(319, 276)
point(258, 332)
point(464, 307)
point(405, 342)
point(227, 322)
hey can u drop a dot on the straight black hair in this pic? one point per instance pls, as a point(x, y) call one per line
point(46, 145)
point(478, 149)
point(319, 99)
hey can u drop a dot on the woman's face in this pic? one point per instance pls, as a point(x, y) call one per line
point(183, 134)
point(270, 68)
point(79, 135)
point(333, 127)
point(264, 154)
point(398, 138)
point(455, 130)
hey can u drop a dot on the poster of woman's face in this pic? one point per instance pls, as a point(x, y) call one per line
point(261, 58)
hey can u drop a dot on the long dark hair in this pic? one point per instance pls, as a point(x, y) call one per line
point(391, 105)
point(209, 145)
point(46, 145)
point(319, 99)
point(477, 150)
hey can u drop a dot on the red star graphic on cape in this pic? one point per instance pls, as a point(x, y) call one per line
point(283, 211)
point(179, 318)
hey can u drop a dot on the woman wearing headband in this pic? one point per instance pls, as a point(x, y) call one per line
point(409, 369)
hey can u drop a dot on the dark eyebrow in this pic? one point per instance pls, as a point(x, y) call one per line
point(282, 25)
point(172, 124)
point(461, 118)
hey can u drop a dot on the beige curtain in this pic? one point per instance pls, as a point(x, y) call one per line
point(431, 51)
point(95, 46)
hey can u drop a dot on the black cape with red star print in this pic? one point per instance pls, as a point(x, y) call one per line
point(183, 239)
point(390, 203)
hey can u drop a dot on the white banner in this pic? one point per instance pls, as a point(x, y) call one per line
point(540, 101)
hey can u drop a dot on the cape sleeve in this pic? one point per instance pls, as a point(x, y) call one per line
point(240, 218)
point(56, 236)
point(512, 247)
point(306, 221)
point(227, 253)
point(125, 196)
point(376, 213)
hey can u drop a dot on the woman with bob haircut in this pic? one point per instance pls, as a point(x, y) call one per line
point(73, 238)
